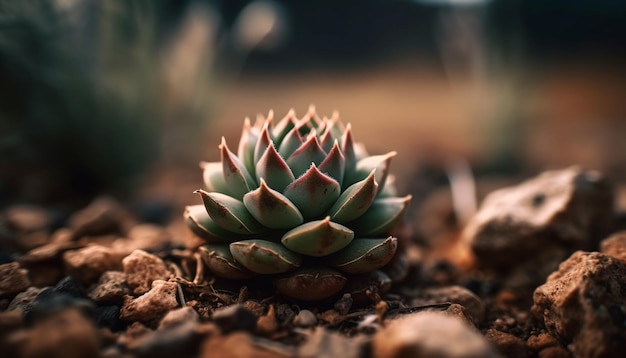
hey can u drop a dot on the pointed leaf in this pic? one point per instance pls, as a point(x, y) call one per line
point(380, 163)
point(265, 257)
point(318, 238)
point(364, 255)
point(247, 142)
point(355, 200)
point(283, 127)
point(263, 142)
point(272, 208)
point(200, 223)
point(335, 164)
point(229, 213)
point(313, 193)
point(326, 138)
point(347, 146)
point(213, 177)
point(292, 141)
point(381, 216)
point(236, 175)
point(273, 168)
point(311, 284)
point(309, 152)
point(220, 261)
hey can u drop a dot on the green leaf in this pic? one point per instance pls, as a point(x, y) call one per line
point(229, 213)
point(272, 208)
point(311, 284)
point(283, 127)
point(220, 261)
point(381, 216)
point(292, 141)
point(273, 168)
point(264, 257)
point(309, 152)
point(198, 220)
point(318, 238)
point(213, 177)
point(355, 200)
point(364, 255)
point(247, 142)
point(379, 163)
point(236, 176)
point(313, 193)
point(335, 164)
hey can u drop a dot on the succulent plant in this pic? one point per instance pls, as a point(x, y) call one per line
point(300, 201)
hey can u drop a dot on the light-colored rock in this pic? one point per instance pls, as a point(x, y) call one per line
point(152, 305)
point(111, 288)
point(179, 316)
point(615, 245)
point(13, 279)
point(583, 304)
point(474, 307)
point(141, 269)
point(88, 263)
point(430, 335)
point(561, 208)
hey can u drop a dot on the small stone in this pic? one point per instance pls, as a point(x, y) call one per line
point(615, 246)
point(141, 269)
point(234, 318)
point(267, 324)
point(179, 340)
point(460, 312)
point(152, 305)
point(474, 307)
point(507, 344)
point(554, 352)
point(104, 215)
point(88, 263)
point(25, 301)
point(64, 334)
point(240, 344)
point(31, 224)
point(541, 341)
point(582, 304)
point(324, 343)
point(430, 334)
point(111, 288)
point(179, 316)
point(13, 279)
point(305, 318)
point(257, 308)
point(47, 253)
point(69, 286)
point(566, 209)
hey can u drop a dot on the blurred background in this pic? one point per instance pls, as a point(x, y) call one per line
point(126, 97)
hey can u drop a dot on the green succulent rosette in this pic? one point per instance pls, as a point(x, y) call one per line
point(300, 201)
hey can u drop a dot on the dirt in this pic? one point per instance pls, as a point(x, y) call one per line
point(110, 281)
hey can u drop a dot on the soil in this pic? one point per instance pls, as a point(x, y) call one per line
point(119, 279)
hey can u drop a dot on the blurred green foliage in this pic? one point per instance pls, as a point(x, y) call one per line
point(77, 97)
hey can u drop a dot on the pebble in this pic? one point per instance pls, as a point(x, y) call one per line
point(305, 318)
point(104, 215)
point(179, 316)
point(560, 208)
point(234, 318)
point(141, 269)
point(13, 279)
point(267, 324)
point(25, 301)
point(111, 288)
point(474, 306)
point(583, 304)
point(151, 306)
point(65, 334)
point(507, 344)
point(88, 263)
point(615, 246)
point(430, 334)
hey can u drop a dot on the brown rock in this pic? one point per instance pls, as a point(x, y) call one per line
point(104, 215)
point(615, 246)
point(111, 288)
point(324, 343)
point(151, 306)
point(541, 341)
point(241, 345)
point(141, 268)
point(25, 301)
point(87, 264)
point(30, 223)
point(507, 344)
point(430, 334)
point(179, 316)
point(234, 317)
point(566, 209)
point(13, 279)
point(474, 307)
point(67, 334)
point(554, 352)
point(267, 324)
point(583, 304)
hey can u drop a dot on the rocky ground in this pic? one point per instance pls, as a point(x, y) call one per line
point(538, 271)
